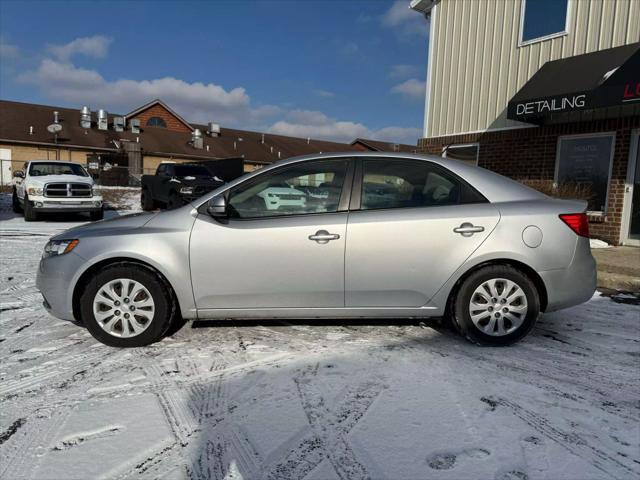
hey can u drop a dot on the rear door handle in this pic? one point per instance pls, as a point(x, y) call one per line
point(467, 229)
point(322, 236)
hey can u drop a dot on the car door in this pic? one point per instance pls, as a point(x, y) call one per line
point(412, 224)
point(279, 248)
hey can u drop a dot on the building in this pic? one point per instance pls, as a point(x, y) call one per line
point(140, 140)
point(546, 92)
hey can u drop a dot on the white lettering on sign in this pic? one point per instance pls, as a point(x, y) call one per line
point(553, 105)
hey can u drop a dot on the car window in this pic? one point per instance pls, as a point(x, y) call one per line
point(405, 184)
point(162, 170)
point(302, 188)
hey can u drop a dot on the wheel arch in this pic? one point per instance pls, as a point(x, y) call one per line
point(523, 267)
point(84, 278)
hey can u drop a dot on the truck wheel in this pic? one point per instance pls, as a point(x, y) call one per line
point(496, 306)
point(146, 200)
point(95, 216)
point(126, 305)
point(15, 202)
point(30, 215)
point(174, 201)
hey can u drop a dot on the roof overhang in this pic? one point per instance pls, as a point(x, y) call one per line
point(423, 6)
point(602, 79)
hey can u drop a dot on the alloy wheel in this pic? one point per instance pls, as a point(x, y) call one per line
point(123, 307)
point(498, 307)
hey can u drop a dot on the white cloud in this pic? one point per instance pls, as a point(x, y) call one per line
point(7, 50)
point(96, 47)
point(406, 22)
point(350, 48)
point(412, 88)
point(404, 71)
point(323, 93)
point(314, 124)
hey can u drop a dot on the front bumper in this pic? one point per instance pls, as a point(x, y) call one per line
point(48, 204)
point(55, 280)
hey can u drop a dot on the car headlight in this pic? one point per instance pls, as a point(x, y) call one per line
point(54, 248)
point(186, 190)
point(34, 191)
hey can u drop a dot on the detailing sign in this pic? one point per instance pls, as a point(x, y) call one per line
point(548, 106)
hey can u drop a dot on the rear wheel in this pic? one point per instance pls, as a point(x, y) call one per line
point(30, 215)
point(15, 202)
point(146, 200)
point(496, 305)
point(126, 305)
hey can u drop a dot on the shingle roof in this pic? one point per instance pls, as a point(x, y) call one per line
point(16, 118)
point(380, 146)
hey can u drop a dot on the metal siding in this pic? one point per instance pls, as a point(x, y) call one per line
point(478, 65)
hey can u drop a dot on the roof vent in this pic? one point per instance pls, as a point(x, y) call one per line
point(308, 140)
point(103, 121)
point(214, 129)
point(135, 125)
point(55, 117)
point(262, 139)
point(396, 147)
point(85, 117)
point(118, 124)
point(196, 139)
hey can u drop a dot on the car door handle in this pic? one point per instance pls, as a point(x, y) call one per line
point(467, 229)
point(322, 236)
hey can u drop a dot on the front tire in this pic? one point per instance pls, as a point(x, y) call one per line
point(496, 305)
point(97, 215)
point(30, 215)
point(127, 305)
point(15, 202)
point(146, 200)
point(174, 201)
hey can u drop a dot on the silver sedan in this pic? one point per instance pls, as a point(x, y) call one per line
point(377, 235)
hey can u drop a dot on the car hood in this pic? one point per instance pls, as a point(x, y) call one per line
point(114, 225)
point(61, 179)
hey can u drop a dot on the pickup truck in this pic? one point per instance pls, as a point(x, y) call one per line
point(175, 184)
point(46, 186)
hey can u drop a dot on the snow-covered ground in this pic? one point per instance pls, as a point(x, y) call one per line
point(329, 400)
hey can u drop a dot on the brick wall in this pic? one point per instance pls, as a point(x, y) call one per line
point(159, 111)
point(530, 153)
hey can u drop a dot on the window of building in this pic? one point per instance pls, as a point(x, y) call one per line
point(406, 184)
point(543, 19)
point(467, 153)
point(584, 165)
point(156, 122)
point(296, 190)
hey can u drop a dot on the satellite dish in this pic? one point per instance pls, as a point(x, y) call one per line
point(54, 128)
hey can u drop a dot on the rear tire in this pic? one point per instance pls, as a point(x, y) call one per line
point(112, 320)
point(15, 202)
point(30, 215)
point(496, 305)
point(146, 200)
point(95, 216)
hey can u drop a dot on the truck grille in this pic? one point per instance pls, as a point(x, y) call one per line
point(67, 190)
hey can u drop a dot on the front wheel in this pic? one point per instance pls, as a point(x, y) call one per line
point(174, 201)
point(126, 305)
point(496, 305)
point(15, 202)
point(30, 215)
point(97, 215)
point(146, 200)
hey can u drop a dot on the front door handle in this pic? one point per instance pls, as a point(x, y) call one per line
point(467, 229)
point(322, 236)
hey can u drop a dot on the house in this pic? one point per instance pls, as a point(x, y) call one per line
point(547, 93)
point(139, 140)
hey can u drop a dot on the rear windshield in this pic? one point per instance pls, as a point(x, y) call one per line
point(56, 168)
point(191, 171)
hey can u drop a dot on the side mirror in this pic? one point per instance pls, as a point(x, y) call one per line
point(18, 174)
point(217, 207)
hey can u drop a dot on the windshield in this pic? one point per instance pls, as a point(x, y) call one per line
point(191, 171)
point(41, 169)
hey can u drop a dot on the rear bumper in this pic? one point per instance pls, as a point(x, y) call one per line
point(575, 284)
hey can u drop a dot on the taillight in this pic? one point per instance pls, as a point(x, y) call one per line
point(577, 222)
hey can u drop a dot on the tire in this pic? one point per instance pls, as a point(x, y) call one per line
point(174, 202)
point(517, 310)
point(30, 215)
point(95, 216)
point(153, 318)
point(15, 202)
point(146, 200)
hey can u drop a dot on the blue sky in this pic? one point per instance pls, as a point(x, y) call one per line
point(326, 69)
